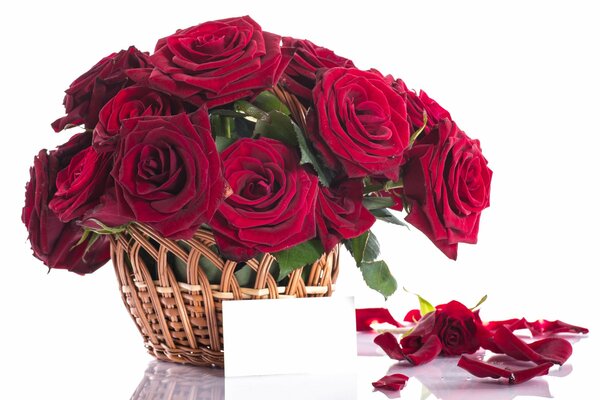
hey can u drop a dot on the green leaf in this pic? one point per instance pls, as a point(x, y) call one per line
point(276, 125)
point(245, 276)
point(481, 301)
point(226, 113)
point(250, 109)
point(424, 305)
point(375, 203)
point(269, 102)
point(364, 248)
point(223, 143)
point(298, 256)
point(378, 277)
point(385, 215)
point(308, 157)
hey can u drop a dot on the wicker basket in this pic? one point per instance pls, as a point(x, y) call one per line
point(174, 289)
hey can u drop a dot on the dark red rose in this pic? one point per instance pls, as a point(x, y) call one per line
point(447, 184)
point(272, 206)
point(134, 101)
point(167, 174)
point(80, 185)
point(52, 241)
point(459, 330)
point(216, 62)
point(90, 92)
point(359, 123)
point(301, 73)
point(419, 104)
point(340, 213)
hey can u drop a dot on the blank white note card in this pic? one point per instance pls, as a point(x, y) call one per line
point(289, 336)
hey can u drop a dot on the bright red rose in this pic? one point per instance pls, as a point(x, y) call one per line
point(134, 101)
point(80, 185)
point(301, 74)
point(272, 206)
point(419, 104)
point(358, 124)
point(167, 174)
point(52, 241)
point(340, 213)
point(447, 184)
point(459, 330)
point(216, 62)
point(90, 92)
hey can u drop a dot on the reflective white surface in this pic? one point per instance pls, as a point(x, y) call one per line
point(440, 379)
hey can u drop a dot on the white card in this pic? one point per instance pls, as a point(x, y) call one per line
point(289, 336)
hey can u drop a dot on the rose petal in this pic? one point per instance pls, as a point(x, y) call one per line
point(553, 350)
point(390, 345)
point(485, 370)
point(430, 350)
point(391, 382)
point(413, 315)
point(367, 316)
point(543, 326)
point(539, 327)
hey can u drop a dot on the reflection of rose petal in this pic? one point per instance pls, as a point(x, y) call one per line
point(485, 370)
point(445, 381)
point(367, 316)
point(391, 382)
point(562, 371)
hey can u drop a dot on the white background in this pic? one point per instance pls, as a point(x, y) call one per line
point(523, 77)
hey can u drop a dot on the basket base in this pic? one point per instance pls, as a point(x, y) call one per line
point(205, 357)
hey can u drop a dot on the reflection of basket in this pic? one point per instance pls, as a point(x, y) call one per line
point(174, 289)
point(179, 382)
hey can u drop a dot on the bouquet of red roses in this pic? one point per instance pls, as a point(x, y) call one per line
point(275, 144)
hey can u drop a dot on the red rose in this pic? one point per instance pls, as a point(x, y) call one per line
point(458, 329)
point(134, 101)
point(88, 93)
point(80, 185)
point(301, 73)
point(419, 104)
point(447, 184)
point(340, 213)
point(272, 206)
point(167, 174)
point(359, 123)
point(52, 241)
point(215, 62)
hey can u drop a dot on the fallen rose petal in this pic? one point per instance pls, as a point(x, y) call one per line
point(543, 326)
point(512, 324)
point(554, 350)
point(482, 369)
point(523, 375)
point(430, 350)
point(485, 370)
point(367, 316)
point(390, 345)
point(413, 315)
point(536, 328)
point(391, 382)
